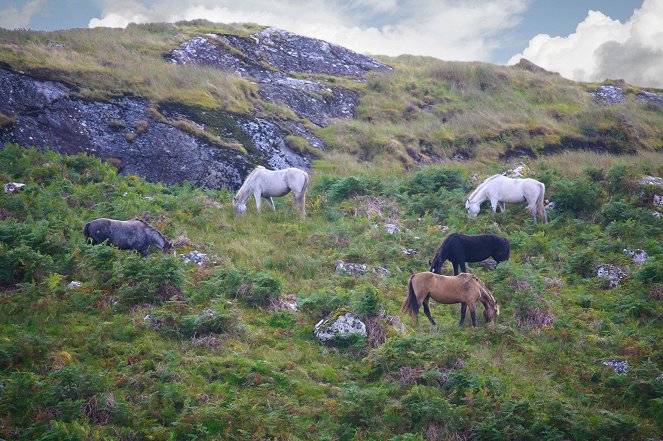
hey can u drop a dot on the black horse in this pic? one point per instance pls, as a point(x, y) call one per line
point(459, 248)
point(126, 235)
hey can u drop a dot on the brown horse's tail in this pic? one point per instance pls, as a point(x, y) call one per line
point(411, 304)
point(539, 203)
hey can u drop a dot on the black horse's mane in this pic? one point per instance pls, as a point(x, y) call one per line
point(153, 229)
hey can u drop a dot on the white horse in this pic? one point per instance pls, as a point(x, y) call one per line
point(263, 183)
point(500, 189)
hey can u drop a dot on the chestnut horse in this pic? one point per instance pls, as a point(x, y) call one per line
point(464, 288)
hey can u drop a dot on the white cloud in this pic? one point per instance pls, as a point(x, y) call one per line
point(12, 17)
point(447, 29)
point(603, 48)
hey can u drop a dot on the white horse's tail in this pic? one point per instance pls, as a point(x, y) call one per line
point(539, 203)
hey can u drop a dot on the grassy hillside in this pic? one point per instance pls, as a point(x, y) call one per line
point(217, 360)
point(425, 110)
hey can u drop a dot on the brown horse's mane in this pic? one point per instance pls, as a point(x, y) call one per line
point(486, 295)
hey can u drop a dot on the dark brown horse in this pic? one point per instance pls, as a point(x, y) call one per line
point(465, 289)
point(126, 235)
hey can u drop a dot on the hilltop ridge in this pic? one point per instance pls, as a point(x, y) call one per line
point(207, 102)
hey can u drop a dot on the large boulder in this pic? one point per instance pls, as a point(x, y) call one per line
point(340, 324)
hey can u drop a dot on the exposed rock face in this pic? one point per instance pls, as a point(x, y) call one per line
point(47, 116)
point(649, 97)
point(351, 269)
point(339, 324)
point(141, 143)
point(271, 55)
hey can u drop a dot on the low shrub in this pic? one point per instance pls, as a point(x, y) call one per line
point(431, 179)
point(253, 288)
point(150, 279)
point(577, 197)
point(336, 189)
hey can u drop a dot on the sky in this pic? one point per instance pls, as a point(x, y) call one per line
point(584, 40)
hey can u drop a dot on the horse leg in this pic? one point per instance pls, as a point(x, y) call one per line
point(270, 202)
point(455, 265)
point(463, 310)
point(494, 203)
point(502, 205)
point(258, 201)
point(462, 266)
point(427, 311)
point(473, 314)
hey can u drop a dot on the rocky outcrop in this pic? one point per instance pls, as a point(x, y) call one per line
point(271, 56)
point(608, 95)
point(611, 274)
point(125, 131)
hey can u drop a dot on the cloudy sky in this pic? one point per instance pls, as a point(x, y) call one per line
point(585, 40)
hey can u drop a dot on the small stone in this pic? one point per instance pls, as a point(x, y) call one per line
point(384, 272)
point(410, 251)
point(351, 269)
point(74, 284)
point(392, 228)
point(195, 257)
point(639, 256)
point(489, 264)
point(620, 366)
point(521, 170)
point(11, 187)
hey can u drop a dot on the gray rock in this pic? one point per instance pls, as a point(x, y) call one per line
point(489, 264)
point(639, 256)
point(613, 274)
point(52, 43)
point(519, 171)
point(351, 269)
point(649, 97)
point(410, 251)
point(155, 322)
point(392, 228)
point(608, 95)
point(195, 257)
point(620, 366)
point(651, 180)
point(11, 187)
point(74, 284)
point(340, 323)
point(383, 272)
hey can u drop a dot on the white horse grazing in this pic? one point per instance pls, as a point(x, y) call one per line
point(500, 189)
point(263, 183)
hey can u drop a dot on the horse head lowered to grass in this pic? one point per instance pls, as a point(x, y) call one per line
point(459, 248)
point(133, 234)
point(464, 288)
point(263, 183)
point(500, 189)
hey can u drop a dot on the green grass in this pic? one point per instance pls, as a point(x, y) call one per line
point(222, 364)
